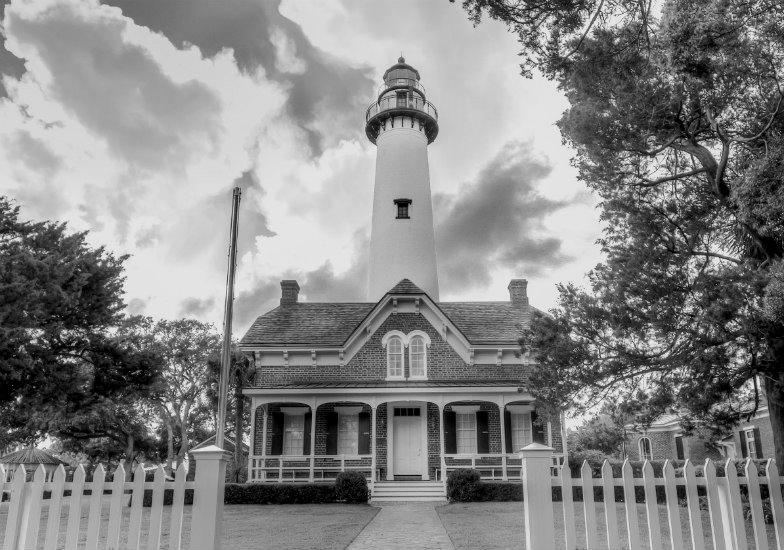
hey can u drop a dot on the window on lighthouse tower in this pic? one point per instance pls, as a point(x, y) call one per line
point(402, 207)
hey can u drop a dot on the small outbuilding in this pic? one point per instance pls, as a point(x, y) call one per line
point(30, 458)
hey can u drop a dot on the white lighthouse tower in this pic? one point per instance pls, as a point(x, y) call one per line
point(402, 123)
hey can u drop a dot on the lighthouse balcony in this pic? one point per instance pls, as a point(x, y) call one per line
point(393, 106)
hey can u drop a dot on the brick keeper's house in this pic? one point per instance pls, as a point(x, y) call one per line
point(402, 387)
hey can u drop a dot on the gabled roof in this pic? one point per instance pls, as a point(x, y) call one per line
point(307, 324)
point(405, 287)
point(487, 322)
point(330, 324)
point(30, 456)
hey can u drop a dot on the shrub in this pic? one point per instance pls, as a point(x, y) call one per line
point(351, 487)
point(463, 485)
point(261, 493)
point(168, 497)
point(279, 493)
point(500, 492)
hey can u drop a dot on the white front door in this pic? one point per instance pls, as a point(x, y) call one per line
point(407, 435)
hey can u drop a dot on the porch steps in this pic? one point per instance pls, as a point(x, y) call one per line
point(408, 491)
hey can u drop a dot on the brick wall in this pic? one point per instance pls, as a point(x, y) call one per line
point(370, 362)
point(433, 440)
point(697, 446)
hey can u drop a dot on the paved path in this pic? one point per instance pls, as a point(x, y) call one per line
point(405, 526)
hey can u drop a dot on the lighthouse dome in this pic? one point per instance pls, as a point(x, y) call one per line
point(401, 69)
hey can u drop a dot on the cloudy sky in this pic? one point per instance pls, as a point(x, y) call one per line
point(134, 119)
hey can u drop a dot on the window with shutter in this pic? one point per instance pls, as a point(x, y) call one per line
point(679, 451)
point(645, 448)
point(521, 430)
point(466, 433)
point(348, 434)
point(293, 434)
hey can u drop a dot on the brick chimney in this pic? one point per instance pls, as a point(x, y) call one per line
point(289, 292)
point(518, 292)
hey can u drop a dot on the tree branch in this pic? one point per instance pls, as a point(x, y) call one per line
point(653, 183)
point(587, 30)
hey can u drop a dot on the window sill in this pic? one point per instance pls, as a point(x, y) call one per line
point(417, 377)
point(395, 379)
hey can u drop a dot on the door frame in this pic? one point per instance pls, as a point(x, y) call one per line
point(422, 406)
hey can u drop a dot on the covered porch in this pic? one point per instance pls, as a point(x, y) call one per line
point(404, 433)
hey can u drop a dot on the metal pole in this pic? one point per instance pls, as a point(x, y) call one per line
point(227, 317)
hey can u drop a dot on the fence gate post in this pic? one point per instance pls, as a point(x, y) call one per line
point(537, 496)
point(207, 517)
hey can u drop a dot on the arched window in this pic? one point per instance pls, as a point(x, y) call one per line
point(417, 357)
point(645, 448)
point(395, 357)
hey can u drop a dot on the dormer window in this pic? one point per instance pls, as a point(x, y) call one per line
point(402, 207)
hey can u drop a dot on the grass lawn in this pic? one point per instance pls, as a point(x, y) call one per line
point(283, 527)
point(500, 525)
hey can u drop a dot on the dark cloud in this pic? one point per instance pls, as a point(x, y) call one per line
point(326, 87)
point(203, 227)
point(118, 90)
point(10, 65)
point(196, 307)
point(249, 304)
point(253, 221)
point(318, 285)
point(495, 222)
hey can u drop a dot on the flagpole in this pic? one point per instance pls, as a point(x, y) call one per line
point(227, 318)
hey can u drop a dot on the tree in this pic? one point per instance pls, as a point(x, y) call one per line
point(185, 347)
point(677, 119)
point(61, 367)
point(105, 428)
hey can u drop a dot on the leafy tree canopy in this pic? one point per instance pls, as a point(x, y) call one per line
point(677, 120)
point(60, 301)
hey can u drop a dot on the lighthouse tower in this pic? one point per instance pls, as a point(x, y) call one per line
point(402, 123)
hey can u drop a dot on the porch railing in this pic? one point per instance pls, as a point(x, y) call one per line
point(494, 466)
point(307, 468)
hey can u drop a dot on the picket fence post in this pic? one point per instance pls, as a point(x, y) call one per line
point(537, 496)
point(207, 518)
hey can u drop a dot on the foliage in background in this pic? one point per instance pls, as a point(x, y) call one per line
point(185, 348)
point(242, 372)
point(677, 119)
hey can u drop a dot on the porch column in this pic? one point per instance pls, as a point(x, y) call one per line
point(372, 446)
point(502, 414)
point(441, 437)
point(313, 408)
point(252, 439)
point(265, 408)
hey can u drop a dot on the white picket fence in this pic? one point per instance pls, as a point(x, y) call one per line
point(24, 528)
point(723, 495)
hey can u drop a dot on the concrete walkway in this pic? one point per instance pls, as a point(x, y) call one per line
point(405, 526)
